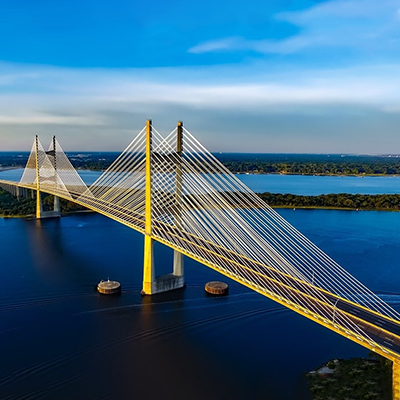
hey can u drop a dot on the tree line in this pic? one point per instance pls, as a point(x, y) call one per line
point(388, 202)
point(307, 164)
point(308, 168)
point(11, 206)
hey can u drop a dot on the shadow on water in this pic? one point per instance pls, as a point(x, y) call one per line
point(50, 254)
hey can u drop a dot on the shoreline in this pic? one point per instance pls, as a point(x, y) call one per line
point(251, 173)
point(302, 174)
point(335, 208)
point(353, 377)
point(32, 216)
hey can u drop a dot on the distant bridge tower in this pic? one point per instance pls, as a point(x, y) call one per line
point(39, 205)
point(175, 280)
point(53, 156)
point(178, 257)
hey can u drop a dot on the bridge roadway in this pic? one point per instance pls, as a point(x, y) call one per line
point(380, 328)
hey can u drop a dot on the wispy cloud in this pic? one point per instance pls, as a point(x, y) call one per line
point(49, 119)
point(69, 90)
point(364, 25)
point(95, 107)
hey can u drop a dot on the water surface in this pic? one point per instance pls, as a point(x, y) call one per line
point(62, 340)
point(294, 184)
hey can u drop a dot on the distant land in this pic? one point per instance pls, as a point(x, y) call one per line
point(251, 163)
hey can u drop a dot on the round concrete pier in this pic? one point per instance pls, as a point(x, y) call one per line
point(217, 288)
point(109, 287)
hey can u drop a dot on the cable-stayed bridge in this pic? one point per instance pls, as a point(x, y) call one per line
point(174, 191)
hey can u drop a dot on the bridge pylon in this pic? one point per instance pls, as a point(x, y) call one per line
point(53, 156)
point(178, 256)
point(396, 380)
point(39, 205)
point(151, 283)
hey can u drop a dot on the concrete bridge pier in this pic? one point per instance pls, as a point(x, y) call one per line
point(55, 213)
point(151, 283)
point(21, 193)
point(39, 205)
point(178, 263)
point(57, 208)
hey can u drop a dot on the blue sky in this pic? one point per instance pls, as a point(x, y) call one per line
point(255, 76)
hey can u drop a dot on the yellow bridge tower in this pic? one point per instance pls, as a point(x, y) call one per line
point(175, 280)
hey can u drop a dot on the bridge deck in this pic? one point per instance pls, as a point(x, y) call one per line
point(323, 307)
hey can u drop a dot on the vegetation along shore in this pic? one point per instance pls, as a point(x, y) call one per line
point(356, 379)
point(249, 163)
point(11, 206)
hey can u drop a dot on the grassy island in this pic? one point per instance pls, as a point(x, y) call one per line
point(355, 379)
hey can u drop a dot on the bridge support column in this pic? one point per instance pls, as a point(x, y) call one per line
point(396, 380)
point(178, 257)
point(39, 207)
point(164, 283)
point(178, 263)
point(57, 209)
point(148, 268)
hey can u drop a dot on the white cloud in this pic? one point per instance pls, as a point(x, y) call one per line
point(368, 25)
point(68, 94)
point(48, 119)
point(93, 106)
point(286, 46)
point(216, 45)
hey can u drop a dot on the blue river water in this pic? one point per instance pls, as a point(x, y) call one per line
point(294, 184)
point(60, 339)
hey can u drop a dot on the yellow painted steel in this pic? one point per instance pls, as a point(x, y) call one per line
point(148, 267)
point(295, 307)
point(396, 380)
point(148, 180)
point(108, 214)
point(149, 248)
point(275, 281)
point(38, 196)
point(285, 302)
point(148, 275)
point(177, 249)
